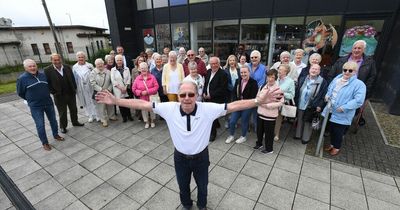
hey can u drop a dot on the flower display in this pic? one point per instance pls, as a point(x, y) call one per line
point(364, 32)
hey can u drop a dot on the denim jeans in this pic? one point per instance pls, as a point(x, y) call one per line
point(184, 167)
point(38, 117)
point(245, 115)
point(337, 133)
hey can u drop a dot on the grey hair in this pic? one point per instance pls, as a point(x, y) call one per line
point(98, 61)
point(148, 50)
point(156, 56)
point(189, 82)
point(218, 60)
point(172, 53)
point(107, 57)
point(315, 55)
point(362, 42)
point(192, 65)
point(284, 53)
point(27, 62)
point(299, 51)
point(182, 49)
point(143, 65)
point(118, 56)
point(255, 53)
point(80, 53)
point(287, 67)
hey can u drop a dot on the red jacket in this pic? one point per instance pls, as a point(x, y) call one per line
point(201, 67)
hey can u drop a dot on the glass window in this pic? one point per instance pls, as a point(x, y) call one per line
point(180, 36)
point(177, 2)
point(254, 34)
point(201, 36)
point(321, 36)
point(367, 30)
point(289, 32)
point(160, 3)
point(35, 49)
point(70, 48)
point(47, 49)
point(148, 38)
point(143, 4)
point(197, 1)
point(163, 35)
point(226, 36)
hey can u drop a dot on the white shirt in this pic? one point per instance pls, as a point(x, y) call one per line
point(196, 139)
point(60, 71)
point(173, 85)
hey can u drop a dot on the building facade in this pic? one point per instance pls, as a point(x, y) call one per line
point(19, 43)
point(270, 26)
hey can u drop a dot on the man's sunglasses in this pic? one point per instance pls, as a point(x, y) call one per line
point(350, 70)
point(183, 95)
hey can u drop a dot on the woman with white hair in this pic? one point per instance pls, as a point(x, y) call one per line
point(121, 79)
point(314, 58)
point(172, 77)
point(84, 90)
point(297, 60)
point(195, 78)
point(285, 59)
point(100, 80)
point(181, 55)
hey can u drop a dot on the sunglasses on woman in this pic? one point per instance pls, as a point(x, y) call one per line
point(350, 70)
point(183, 95)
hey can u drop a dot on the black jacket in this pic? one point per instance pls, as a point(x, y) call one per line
point(55, 82)
point(218, 86)
point(249, 92)
point(318, 99)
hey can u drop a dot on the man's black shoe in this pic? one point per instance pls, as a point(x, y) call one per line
point(361, 122)
point(63, 130)
point(304, 142)
point(130, 118)
point(124, 120)
point(257, 146)
point(212, 138)
point(78, 124)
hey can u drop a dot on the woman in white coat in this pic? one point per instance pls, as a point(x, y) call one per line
point(84, 90)
point(121, 79)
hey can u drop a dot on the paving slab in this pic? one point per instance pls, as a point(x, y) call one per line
point(100, 196)
point(234, 201)
point(122, 202)
point(58, 200)
point(124, 179)
point(143, 190)
point(84, 185)
point(163, 199)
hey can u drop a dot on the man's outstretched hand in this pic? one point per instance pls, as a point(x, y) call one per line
point(268, 95)
point(105, 97)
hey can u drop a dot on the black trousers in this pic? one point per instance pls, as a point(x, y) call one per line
point(125, 112)
point(62, 103)
point(265, 130)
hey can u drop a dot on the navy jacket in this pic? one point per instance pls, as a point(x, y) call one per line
point(34, 89)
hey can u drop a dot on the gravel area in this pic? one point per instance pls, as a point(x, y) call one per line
point(390, 124)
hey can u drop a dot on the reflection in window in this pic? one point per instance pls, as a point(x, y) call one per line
point(255, 35)
point(35, 49)
point(226, 36)
point(289, 32)
point(177, 2)
point(163, 35)
point(46, 47)
point(143, 4)
point(160, 3)
point(70, 48)
point(180, 36)
point(197, 1)
point(201, 35)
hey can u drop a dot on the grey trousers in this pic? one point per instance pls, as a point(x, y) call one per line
point(303, 129)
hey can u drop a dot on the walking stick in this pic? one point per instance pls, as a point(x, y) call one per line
point(319, 149)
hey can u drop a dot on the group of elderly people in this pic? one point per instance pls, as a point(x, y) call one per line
point(157, 78)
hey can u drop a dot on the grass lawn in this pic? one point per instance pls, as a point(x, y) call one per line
point(8, 88)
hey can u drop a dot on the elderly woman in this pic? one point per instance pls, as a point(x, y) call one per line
point(286, 84)
point(195, 78)
point(267, 114)
point(121, 79)
point(181, 55)
point(285, 59)
point(346, 94)
point(314, 58)
point(84, 90)
point(309, 99)
point(203, 56)
point(100, 80)
point(110, 62)
point(172, 77)
point(143, 87)
point(244, 88)
point(242, 61)
point(157, 73)
point(297, 61)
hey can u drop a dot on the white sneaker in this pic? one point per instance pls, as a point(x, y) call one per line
point(147, 125)
point(276, 138)
point(241, 140)
point(90, 119)
point(229, 139)
point(152, 125)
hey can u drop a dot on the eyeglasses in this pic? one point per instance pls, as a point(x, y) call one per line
point(190, 55)
point(183, 95)
point(350, 70)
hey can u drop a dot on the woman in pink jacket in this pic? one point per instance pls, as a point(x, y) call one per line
point(267, 114)
point(145, 85)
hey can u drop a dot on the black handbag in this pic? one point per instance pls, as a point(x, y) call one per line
point(309, 114)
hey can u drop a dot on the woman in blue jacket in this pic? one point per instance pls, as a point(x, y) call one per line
point(346, 93)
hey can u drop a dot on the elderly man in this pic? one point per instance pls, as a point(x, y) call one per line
point(189, 123)
point(32, 86)
point(285, 59)
point(366, 71)
point(215, 89)
point(202, 55)
point(63, 87)
point(201, 66)
point(127, 60)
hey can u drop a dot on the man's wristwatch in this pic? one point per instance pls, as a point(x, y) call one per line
point(256, 102)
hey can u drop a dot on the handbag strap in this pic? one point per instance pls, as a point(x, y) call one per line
point(145, 85)
point(104, 81)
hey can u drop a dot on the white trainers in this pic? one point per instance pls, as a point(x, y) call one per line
point(241, 140)
point(146, 125)
point(90, 119)
point(229, 139)
point(152, 125)
point(276, 138)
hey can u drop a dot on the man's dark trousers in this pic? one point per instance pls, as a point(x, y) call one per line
point(62, 102)
point(184, 167)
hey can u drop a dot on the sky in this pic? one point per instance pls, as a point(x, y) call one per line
point(31, 12)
